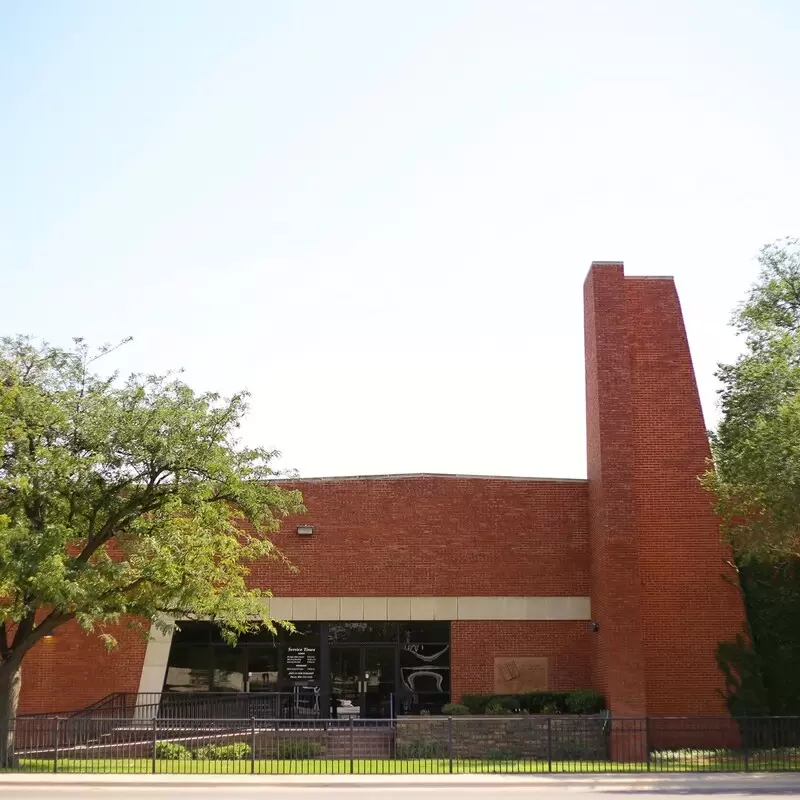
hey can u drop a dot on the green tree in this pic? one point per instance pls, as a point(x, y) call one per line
point(121, 500)
point(756, 447)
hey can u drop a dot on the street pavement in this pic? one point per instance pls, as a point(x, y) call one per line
point(421, 787)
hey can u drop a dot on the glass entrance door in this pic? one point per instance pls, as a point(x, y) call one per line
point(379, 677)
point(345, 682)
point(362, 681)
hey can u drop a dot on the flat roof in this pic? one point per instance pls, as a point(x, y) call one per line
point(453, 476)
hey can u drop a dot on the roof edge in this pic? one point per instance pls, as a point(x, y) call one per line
point(446, 475)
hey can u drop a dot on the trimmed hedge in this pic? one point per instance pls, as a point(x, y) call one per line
point(454, 710)
point(581, 701)
point(236, 751)
point(299, 748)
point(585, 701)
point(172, 751)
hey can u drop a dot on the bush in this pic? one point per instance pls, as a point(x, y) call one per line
point(206, 752)
point(544, 702)
point(422, 748)
point(577, 702)
point(171, 751)
point(477, 703)
point(299, 748)
point(236, 751)
point(585, 701)
point(455, 710)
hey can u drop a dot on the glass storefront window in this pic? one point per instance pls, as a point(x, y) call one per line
point(391, 667)
point(264, 636)
point(228, 674)
point(189, 669)
point(262, 669)
point(304, 633)
point(191, 633)
point(425, 668)
point(356, 632)
point(432, 703)
point(416, 632)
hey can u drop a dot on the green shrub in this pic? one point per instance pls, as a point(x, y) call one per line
point(171, 751)
point(506, 704)
point(455, 710)
point(498, 707)
point(299, 748)
point(236, 751)
point(476, 703)
point(544, 702)
point(422, 748)
point(577, 702)
point(205, 752)
point(585, 701)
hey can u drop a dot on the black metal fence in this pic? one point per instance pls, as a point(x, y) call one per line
point(510, 744)
point(300, 704)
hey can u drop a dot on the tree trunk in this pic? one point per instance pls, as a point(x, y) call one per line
point(10, 685)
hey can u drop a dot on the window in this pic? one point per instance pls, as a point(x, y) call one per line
point(228, 674)
point(357, 632)
point(262, 669)
point(424, 666)
point(417, 632)
point(189, 669)
point(191, 633)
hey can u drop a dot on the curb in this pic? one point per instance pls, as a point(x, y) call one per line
point(711, 784)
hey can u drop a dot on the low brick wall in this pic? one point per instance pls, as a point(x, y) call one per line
point(508, 737)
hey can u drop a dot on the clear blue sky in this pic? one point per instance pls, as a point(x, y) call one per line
point(377, 216)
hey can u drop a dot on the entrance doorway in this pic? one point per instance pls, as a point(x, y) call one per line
point(363, 680)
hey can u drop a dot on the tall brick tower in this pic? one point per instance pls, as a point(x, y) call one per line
point(657, 563)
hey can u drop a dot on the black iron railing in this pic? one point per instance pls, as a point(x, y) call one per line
point(509, 744)
point(300, 704)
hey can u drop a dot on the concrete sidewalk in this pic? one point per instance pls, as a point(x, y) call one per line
point(671, 783)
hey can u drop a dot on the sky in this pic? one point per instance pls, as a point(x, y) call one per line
point(377, 216)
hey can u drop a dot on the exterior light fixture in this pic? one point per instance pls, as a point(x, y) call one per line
point(48, 637)
point(594, 627)
point(305, 530)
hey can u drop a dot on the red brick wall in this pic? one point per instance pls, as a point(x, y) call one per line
point(657, 558)
point(475, 645)
point(73, 669)
point(436, 535)
point(619, 658)
point(687, 607)
point(399, 536)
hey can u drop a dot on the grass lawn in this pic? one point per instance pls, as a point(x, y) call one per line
point(333, 766)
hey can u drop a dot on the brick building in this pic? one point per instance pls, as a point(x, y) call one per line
point(416, 589)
